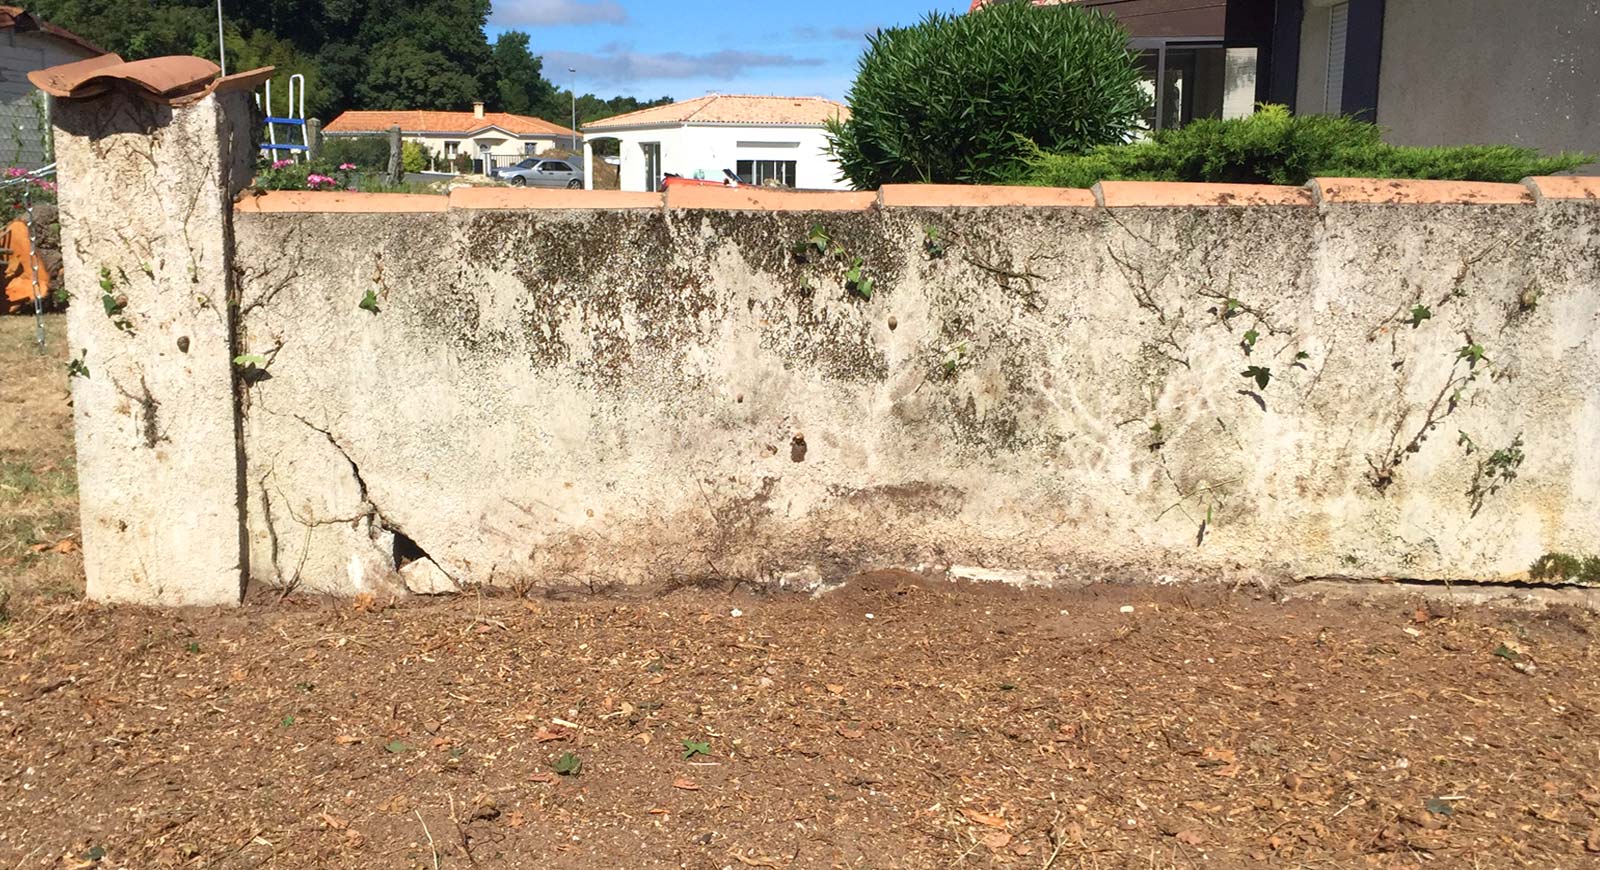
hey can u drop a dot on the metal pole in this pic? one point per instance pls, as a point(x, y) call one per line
point(35, 263)
point(574, 72)
point(222, 50)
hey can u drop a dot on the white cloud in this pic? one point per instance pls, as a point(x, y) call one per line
point(615, 64)
point(513, 13)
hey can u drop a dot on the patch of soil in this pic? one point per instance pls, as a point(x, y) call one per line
point(894, 723)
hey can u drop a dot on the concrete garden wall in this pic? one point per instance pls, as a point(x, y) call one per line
point(1362, 378)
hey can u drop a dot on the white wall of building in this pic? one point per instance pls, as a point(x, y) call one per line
point(503, 150)
point(707, 150)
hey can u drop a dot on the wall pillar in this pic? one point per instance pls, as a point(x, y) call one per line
point(146, 221)
point(588, 165)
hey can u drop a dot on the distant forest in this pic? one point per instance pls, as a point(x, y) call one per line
point(355, 54)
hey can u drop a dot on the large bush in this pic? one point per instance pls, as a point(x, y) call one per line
point(1275, 147)
point(957, 98)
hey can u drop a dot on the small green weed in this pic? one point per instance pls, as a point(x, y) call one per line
point(691, 748)
point(1566, 568)
point(568, 764)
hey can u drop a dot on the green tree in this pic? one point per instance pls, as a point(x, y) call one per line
point(519, 76)
point(404, 76)
point(958, 98)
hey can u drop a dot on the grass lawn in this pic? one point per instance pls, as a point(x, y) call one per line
point(38, 480)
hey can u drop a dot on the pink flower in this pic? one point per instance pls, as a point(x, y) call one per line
point(279, 164)
point(16, 172)
point(347, 166)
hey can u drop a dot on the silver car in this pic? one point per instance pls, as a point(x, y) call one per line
point(541, 172)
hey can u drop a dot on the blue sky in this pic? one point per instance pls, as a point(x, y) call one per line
point(686, 48)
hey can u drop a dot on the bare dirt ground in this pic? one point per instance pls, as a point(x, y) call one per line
point(898, 722)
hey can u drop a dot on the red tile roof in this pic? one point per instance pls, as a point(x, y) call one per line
point(731, 109)
point(174, 80)
point(18, 19)
point(365, 121)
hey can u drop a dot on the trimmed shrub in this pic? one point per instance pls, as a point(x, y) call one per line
point(368, 153)
point(413, 157)
point(957, 98)
point(1275, 147)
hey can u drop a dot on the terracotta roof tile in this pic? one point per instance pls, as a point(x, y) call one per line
point(731, 109)
point(18, 19)
point(173, 80)
point(365, 121)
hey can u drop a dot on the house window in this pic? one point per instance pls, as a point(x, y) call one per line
point(652, 165)
point(530, 148)
point(1187, 79)
point(762, 171)
point(1338, 33)
point(451, 149)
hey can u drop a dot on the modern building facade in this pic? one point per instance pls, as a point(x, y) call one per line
point(778, 141)
point(1440, 72)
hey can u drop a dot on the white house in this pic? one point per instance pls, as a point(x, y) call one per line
point(488, 139)
point(28, 44)
point(764, 140)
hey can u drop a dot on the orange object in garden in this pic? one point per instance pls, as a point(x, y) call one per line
point(22, 265)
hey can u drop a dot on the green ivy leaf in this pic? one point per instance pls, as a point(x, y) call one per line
point(692, 748)
point(1260, 374)
point(395, 746)
point(1472, 353)
point(1419, 314)
point(1249, 342)
point(369, 302)
point(250, 360)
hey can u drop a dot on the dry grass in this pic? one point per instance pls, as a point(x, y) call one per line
point(38, 479)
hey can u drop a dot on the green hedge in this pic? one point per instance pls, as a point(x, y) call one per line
point(953, 98)
point(1275, 147)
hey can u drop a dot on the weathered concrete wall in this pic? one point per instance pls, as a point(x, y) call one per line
point(1175, 381)
point(145, 203)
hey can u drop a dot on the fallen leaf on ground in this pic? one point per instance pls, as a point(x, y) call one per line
point(658, 811)
point(835, 688)
point(1593, 843)
point(1190, 837)
point(332, 821)
point(66, 545)
point(756, 862)
point(543, 776)
point(992, 821)
point(514, 819)
point(545, 735)
point(996, 840)
point(851, 733)
point(686, 784)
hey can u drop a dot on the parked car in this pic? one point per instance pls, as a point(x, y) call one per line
point(540, 172)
